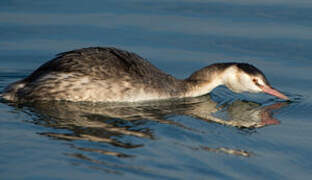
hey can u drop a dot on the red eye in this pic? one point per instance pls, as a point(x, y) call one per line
point(256, 82)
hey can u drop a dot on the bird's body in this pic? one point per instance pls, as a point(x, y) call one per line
point(113, 75)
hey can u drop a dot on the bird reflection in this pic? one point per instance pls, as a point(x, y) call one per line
point(111, 122)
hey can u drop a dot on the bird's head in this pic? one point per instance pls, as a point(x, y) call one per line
point(243, 77)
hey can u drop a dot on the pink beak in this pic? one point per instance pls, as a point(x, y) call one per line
point(273, 92)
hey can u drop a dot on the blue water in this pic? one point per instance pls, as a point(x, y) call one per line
point(219, 136)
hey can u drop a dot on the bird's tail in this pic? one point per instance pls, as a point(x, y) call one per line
point(10, 92)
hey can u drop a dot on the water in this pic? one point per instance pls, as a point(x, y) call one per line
point(222, 136)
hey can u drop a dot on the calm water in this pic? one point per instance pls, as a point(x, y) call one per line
point(221, 136)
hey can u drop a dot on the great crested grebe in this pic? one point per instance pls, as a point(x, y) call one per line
point(99, 74)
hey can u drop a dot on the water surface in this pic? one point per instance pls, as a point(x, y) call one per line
point(219, 136)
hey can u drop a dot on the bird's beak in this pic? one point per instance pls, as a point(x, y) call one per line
point(273, 92)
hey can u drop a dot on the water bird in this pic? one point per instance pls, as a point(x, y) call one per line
point(106, 74)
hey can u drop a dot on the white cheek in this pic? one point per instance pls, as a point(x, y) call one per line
point(248, 84)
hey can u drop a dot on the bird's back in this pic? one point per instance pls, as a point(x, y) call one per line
point(98, 62)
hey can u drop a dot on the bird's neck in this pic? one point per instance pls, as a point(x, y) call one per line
point(198, 88)
point(205, 80)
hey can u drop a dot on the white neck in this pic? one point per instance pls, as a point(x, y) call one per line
point(215, 79)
